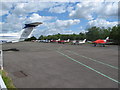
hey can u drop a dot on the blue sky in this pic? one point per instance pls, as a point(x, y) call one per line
point(58, 17)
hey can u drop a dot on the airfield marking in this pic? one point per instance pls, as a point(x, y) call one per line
point(94, 60)
point(58, 50)
point(88, 67)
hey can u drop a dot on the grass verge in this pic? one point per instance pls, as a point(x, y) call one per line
point(7, 80)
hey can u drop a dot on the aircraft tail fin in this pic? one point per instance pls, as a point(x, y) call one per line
point(27, 30)
point(68, 40)
point(25, 33)
point(59, 39)
point(106, 39)
point(84, 40)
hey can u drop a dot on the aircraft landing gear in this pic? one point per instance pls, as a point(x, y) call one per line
point(103, 45)
point(95, 44)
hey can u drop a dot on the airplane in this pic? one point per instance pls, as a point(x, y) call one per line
point(82, 42)
point(64, 41)
point(74, 42)
point(20, 36)
point(55, 40)
point(45, 41)
point(101, 42)
point(67, 41)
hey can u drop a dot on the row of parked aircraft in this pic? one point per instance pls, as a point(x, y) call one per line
point(63, 41)
point(77, 42)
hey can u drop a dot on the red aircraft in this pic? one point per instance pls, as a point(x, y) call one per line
point(101, 42)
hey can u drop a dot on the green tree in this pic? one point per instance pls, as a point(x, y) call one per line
point(103, 33)
point(82, 36)
point(32, 38)
point(41, 37)
point(93, 33)
point(115, 34)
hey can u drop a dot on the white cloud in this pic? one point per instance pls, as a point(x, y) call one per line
point(13, 23)
point(58, 0)
point(5, 8)
point(83, 10)
point(18, 14)
point(59, 26)
point(63, 23)
point(11, 18)
point(70, 8)
point(86, 10)
point(3, 12)
point(58, 9)
point(101, 23)
point(107, 9)
point(1, 23)
point(66, 23)
point(22, 9)
point(51, 32)
point(37, 18)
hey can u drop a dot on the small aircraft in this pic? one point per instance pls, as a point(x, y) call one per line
point(101, 42)
point(45, 41)
point(82, 42)
point(67, 41)
point(64, 41)
point(55, 40)
point(76, 42)
point(20, 36)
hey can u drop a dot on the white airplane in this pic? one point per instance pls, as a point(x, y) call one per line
point(20, 36)
point(74, 42)
point(45, 41)
point(58, 40)
point(82, 42)
point(66, 41)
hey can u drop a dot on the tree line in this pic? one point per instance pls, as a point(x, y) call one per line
point(91, 34)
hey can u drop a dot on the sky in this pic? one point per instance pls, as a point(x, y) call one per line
point(65, 17)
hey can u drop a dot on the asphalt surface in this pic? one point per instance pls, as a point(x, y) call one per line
point(51, 65)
